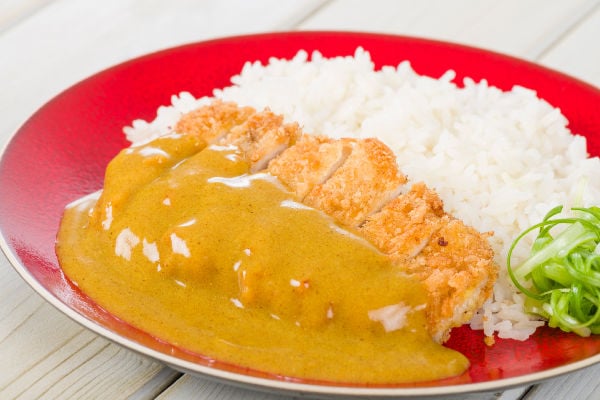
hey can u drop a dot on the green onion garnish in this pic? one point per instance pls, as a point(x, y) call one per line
point(561, 277)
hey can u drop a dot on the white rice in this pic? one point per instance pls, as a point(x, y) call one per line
point(499, 160)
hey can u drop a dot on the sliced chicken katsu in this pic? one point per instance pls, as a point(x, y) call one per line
point(458, 272)
point(406, 224)
point(454, 261)
point(358, 183)
point(310, 162)
point(214, 121)
point(364, 183)
point(259, 135)
point(262, 137)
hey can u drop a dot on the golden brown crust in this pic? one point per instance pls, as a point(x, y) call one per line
point(213, 121)
point(459, 273)
point(261, 137)
point(454, 261)
point(310, 162)
point(365, 182)
point(405, 225)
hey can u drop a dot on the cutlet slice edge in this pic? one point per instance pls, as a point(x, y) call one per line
point(262, 137)
point(309, 162)
point(367, 180)
point(214, 121)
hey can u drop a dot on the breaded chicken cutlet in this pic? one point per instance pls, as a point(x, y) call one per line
point(358, 183)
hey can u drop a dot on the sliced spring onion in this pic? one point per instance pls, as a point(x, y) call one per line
point(561, 276)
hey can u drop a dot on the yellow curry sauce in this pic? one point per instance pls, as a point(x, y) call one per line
point(186, 245)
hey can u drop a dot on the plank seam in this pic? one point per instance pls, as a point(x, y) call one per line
point(574, 23)
point(47, 356)
point(157, 385)
point(22, 323)
point(294, 25)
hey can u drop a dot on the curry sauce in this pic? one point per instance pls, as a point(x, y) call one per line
point(186, 244)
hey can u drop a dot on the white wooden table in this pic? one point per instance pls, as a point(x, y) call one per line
point(47, 45)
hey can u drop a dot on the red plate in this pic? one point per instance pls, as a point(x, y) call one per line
point(60, 154)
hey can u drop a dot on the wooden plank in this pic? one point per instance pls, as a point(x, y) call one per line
point(45, 353)
point(581, 385)
point(576, 53)
point(521, 28)
point(158, 384)
point(14, 11)
point(517, 393)
point(70, 40)
point(192, 387)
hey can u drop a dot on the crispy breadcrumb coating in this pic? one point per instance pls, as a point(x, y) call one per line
point(310, 162)
point(358, 183)
point(364, 183)
point(262, 137)
point(454, 261)
point(405, 225)
point(214, 121)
